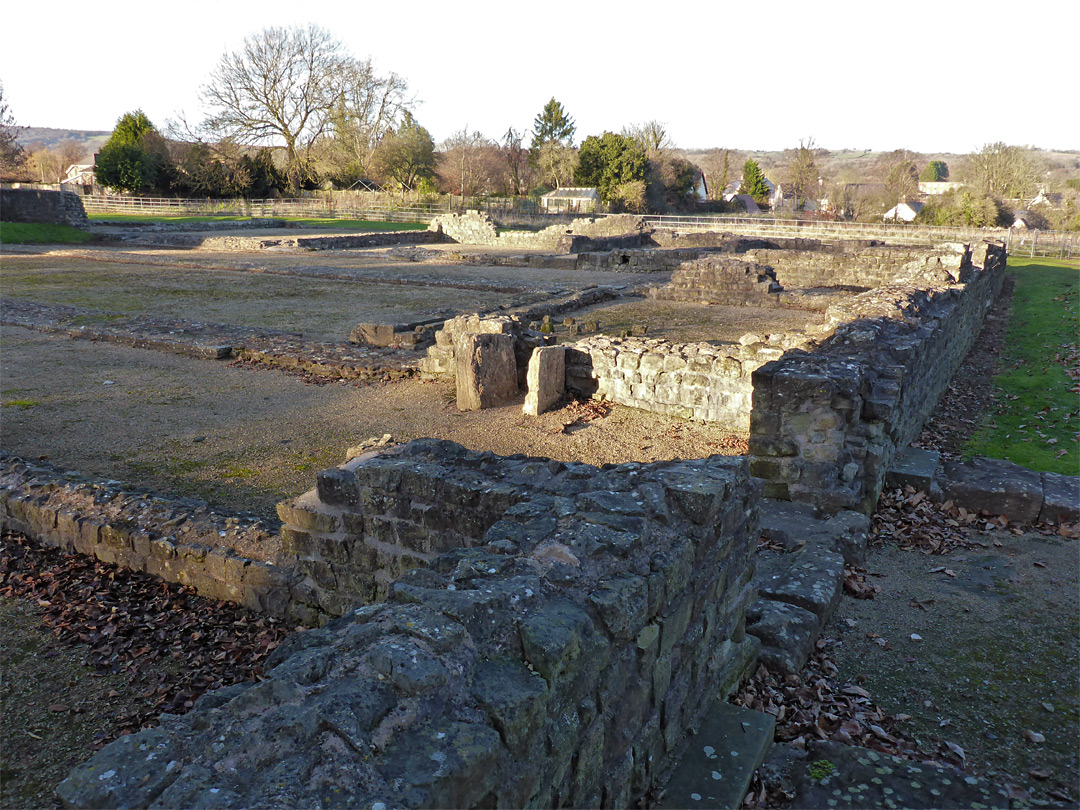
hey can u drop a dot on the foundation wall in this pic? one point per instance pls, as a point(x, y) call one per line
point(557, 661)
point(865, 267)
point(825, 425)
point(41, 205)
point(688, 380)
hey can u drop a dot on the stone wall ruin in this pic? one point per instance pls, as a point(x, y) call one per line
point(42, 205)
point(563, 627)
point(828, 407)
point(826, 424)
point(535, 632)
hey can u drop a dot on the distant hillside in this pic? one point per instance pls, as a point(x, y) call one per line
point(861, 165)
point(50, 138)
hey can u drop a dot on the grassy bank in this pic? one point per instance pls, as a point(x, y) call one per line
point(1037, 417)
point(313, 222)
point(37, 233)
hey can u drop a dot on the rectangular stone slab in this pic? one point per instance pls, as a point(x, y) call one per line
point(721, 758)
point(546, 379)
point(914, 466)
point(486, 370)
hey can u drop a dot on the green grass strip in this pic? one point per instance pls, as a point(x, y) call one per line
point(1036, 421)
point(38, 233)
point(97, 217)
point(314, 222)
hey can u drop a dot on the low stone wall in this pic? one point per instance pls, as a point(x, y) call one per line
point(629, 260)
point(340, 242)
point(854, 266)
point(825, 425)
point(721, 280)
point(689, 380)
point(558, 662)
point(44, 206)
point(601, 233)
point(125, 529)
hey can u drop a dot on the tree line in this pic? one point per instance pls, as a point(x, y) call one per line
point(292, 109)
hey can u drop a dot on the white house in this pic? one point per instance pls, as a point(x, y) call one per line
point(80, 174)
point(701, 188)
point(938, 186)
point(903, 211)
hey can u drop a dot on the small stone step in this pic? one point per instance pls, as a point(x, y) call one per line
point(913, 466)
point(716, 770)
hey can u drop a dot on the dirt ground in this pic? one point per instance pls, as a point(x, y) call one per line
point(999, 639)
point(979, 647)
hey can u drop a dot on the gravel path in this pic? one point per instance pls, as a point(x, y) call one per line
point(246, 439)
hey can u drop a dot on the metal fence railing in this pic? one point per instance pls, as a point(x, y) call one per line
point(1059, 244)
point(521, 212)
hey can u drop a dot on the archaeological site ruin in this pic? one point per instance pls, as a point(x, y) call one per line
point(511, 631)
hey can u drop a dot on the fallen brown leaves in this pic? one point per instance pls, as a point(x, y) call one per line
point(162, 636)
point(586, 410)
point(733, 444)
point(910, 520)
point(855, 583)
point(582, 411)
point(815, 705)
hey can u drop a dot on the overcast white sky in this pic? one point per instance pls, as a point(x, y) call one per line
point(926, 75)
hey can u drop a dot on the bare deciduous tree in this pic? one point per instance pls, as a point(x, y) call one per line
point(802, 175)
point(470, 164)
point(11, 153)
point(45, 165)
point(652, 137)
point(1003, 170)
point(71, 152)
point(518, 168)
point(899, 171)
point(721, 167)
point(279, 87)
point(368, 106)
point(555, 163)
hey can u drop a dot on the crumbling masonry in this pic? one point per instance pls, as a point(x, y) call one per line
point(525, 632)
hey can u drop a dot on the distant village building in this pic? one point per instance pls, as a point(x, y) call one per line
point(938, 186)
point(1052, 199)
point(1023, 221)
point(904, 211)
point(81, 174)
point(747, 202)
point(571, 200)
point(781, 200)
point(701, 188)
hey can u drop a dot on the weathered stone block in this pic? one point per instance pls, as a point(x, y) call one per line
point(622, 604)
point(486, 370)
point(546, 379)
point(552, 637)
point(812, 579)
point(1061, 499)
point(995, 487)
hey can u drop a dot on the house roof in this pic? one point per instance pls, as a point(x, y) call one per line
point(573, 194)
point(911, 205)
point(748, 203)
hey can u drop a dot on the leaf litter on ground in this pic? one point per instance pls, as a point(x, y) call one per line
point(164, 636)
